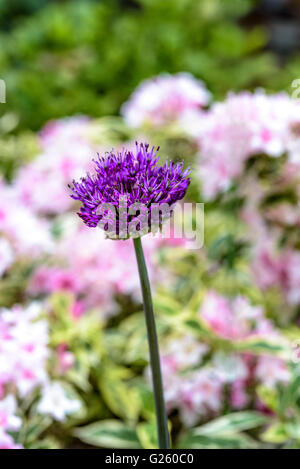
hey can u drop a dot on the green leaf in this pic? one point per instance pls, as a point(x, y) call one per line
point(276, 433)
point(147, 401)
point(166, 304)
point(217, 442)
point(270, 397)
point(259, 345)
point(35, 427)
point(108, 434)
point(46, 443)
point(122, 399)
point(232, 423)
point(147, 434)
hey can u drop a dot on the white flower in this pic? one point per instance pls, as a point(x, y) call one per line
point(56, 403)
point(6, 256)
point(229, 368)
point(8, 419)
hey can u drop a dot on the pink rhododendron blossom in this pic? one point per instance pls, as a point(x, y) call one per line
point(62, 130)
point(239, 398)
point(163, 99)
point(244, 125)
point(28, 234)
point(201, 394)
point(282, 269)
point(66, 153)
point(51, 279)
point(272, 370)
point(234, 319)
point(66, 358)
point(107, 268)
point(195, 393)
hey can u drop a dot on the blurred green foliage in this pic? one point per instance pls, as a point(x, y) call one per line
point(88, 56)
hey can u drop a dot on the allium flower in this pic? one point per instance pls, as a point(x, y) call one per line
point(125, 188)
point(124, 193)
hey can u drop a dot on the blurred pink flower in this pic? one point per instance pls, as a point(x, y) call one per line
point(8, 419)
point(66, 358)
point(235, 319)
point(28, 234)
point(23, 346)
point(66, 153)
point(244, 125)
point(7, 442)
point(239, 398)
point(271, 370)
point(163, 99)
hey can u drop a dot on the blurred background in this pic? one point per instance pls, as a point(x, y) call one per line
point(214, 83)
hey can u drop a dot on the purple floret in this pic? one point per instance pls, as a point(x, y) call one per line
point(134, 175)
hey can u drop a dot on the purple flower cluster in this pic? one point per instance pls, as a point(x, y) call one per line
point(133, 177)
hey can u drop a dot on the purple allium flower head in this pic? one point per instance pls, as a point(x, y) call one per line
point(133, 178)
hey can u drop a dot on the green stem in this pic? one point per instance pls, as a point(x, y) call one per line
point(161, 417)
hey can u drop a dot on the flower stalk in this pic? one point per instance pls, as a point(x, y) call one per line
point(161, 417)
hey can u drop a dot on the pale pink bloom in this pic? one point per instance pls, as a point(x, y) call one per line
point(192, 121)
point(186, 351)
point(284, 214)
point(270, 128)
point(56, 402)
point(281, 269)
point(199, 395)
point(67, 153)
point(239, 398)
point(216, 311)
point(66, 358)
point(62, 280)
point(23, 346)
point(39, 281)
point(291, 276)
point(271, 370)
point(106, 267)
point(7, 442)
point(230, 368)
point(163, 99)
point(225, 142)
point(235, 319)
point(8, 420)
point(266, 266)
point(244, 125)
point(171, 380)
point(64, 129)
point(28, 234)
point(6, 255)
point(77, 309)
